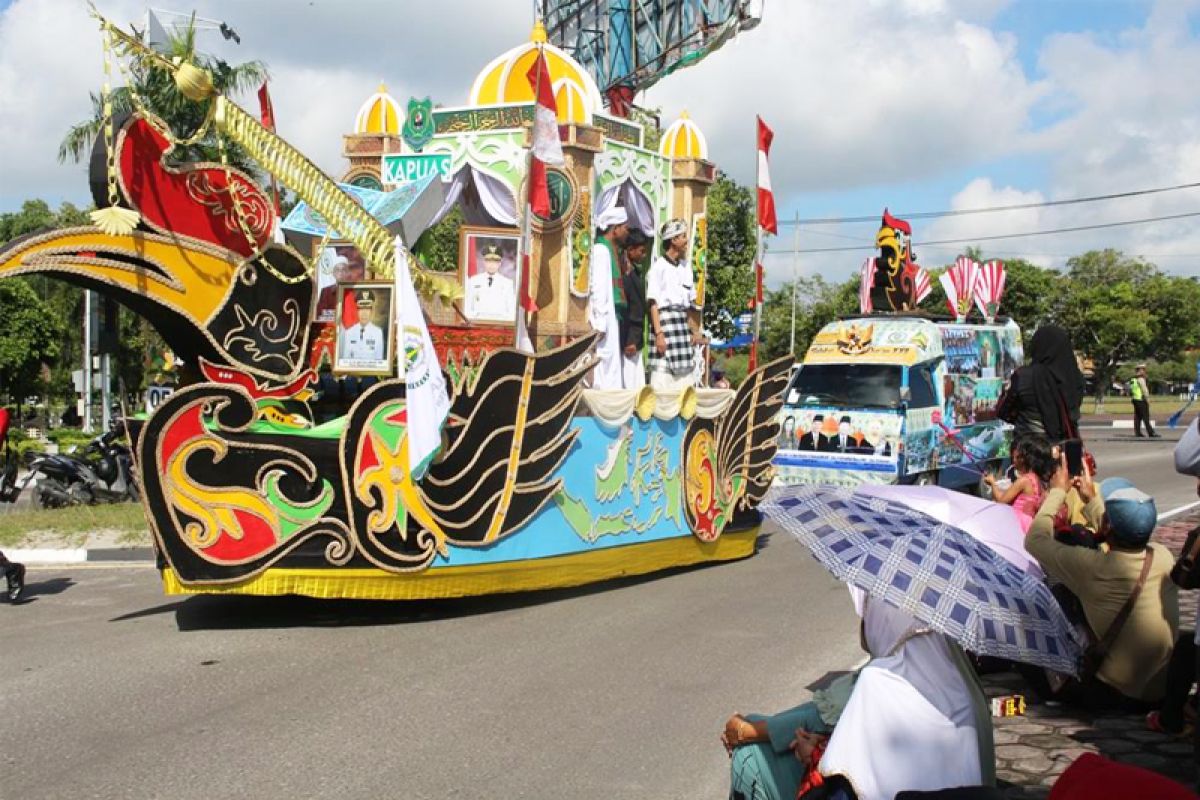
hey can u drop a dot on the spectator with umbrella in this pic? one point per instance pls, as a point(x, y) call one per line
point(916, 718)
point(913, 718)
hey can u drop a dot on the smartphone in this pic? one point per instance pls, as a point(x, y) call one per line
point(1074, 452)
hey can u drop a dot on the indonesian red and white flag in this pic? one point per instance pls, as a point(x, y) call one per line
point(546, 147)
point(766, 198)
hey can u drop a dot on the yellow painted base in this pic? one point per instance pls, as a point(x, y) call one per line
point(479, 579)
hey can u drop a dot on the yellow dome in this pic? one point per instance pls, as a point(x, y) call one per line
point(683, 139)
point(505, 80)
point(379, 115)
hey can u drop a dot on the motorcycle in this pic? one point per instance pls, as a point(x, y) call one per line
point(101, 473)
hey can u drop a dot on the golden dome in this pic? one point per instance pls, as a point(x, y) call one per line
point(379, 115)
point(683, 139)
point(505, 80)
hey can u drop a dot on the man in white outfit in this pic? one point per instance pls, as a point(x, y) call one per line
point(671, 294)
point(364, 341)
point(491, 295)
point(606, 296)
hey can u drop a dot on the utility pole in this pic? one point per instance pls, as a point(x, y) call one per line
point(87, 360)
point(795, 275)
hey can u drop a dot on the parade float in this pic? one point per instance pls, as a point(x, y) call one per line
point(897, 395)
point(284, 465)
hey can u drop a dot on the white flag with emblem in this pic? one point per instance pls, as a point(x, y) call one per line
point(428, 403)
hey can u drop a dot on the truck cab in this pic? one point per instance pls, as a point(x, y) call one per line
point(898, 399)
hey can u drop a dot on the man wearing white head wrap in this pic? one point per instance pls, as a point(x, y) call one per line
point(338, 271)
point(606, 296)
point(670, 292)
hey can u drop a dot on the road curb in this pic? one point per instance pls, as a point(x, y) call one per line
point(79, 555)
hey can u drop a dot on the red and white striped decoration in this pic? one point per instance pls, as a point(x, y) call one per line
point(989, 288)
point(866, 280)
point(921, 286)
point(545, 148)
point(959, 282)
point(766, 197)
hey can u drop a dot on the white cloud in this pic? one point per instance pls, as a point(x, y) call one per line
point(50, 58)
point(1129, 120)
point(857, 95)
point(875, 94)
point(325, 60)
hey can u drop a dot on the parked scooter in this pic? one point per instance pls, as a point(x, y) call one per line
point(101, 473)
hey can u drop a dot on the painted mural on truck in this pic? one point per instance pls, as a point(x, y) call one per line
point(837, 446)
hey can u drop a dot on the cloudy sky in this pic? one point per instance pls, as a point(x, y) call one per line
point(919, 105)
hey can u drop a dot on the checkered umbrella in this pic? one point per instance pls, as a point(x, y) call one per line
point(941, 575)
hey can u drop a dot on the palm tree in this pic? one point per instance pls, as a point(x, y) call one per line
point(158, 94)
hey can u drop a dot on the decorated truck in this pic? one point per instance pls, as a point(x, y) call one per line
point(898, 399)
point(353, 425)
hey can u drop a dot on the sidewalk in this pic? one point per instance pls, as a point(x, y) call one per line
point(1031, 751)
point(99, 545)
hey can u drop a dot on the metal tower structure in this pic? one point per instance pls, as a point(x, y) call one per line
point(629, 45)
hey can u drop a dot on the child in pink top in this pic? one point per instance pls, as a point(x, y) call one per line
point(1033, 461)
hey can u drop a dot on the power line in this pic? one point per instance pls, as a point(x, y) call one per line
point(990, 209)
point(974, 239)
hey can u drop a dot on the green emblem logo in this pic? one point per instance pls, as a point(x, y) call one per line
point(562, 197)
point(418, 124)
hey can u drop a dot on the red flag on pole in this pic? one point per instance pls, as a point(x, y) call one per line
point(525, 297)
point(546, 147)
point(267, 113)
point(766, 198)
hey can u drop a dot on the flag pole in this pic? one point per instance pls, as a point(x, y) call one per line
point(398, 307)
point(526, 254)
point(795, 275)
point(758, 248)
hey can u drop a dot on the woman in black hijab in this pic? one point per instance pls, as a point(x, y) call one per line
point(1045, 396)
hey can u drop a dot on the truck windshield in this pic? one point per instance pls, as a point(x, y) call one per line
point(846, 385)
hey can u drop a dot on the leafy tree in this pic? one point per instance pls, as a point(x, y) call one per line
point(156, 89)
point(818, 303)
point(732, 217)
point(1119, 309)
point(29, 339)
point(437, 247)
point(1030, 294)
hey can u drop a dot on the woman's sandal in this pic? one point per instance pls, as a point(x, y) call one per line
point(1154, 723)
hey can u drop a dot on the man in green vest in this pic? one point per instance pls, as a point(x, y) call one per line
point(1139, 392)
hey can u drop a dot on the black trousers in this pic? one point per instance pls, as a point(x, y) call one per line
point(1141, 413)
point(1182, 672)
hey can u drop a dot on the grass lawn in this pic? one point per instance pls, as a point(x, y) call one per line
point(121, 524)
point(1161, 406)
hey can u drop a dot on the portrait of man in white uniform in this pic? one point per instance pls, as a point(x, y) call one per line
point(364, 346)
point(490, 270)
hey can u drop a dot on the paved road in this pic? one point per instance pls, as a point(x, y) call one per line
point(1149, 463)
point(108, 689)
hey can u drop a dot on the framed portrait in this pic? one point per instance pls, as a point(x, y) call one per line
point(366, 333)
point(488, 268)
point(337, 262)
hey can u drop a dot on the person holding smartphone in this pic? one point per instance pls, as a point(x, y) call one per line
point(1133, 674)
